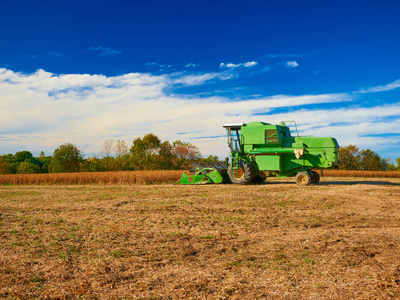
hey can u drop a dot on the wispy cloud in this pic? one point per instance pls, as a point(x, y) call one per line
point(198, 79)
point(192, 65)
point(33, 56)
point(104, 51)
point(232, 66)
point(44, 56)
point(382, 88)
point(82, 109)
point(55, 54)
point(250, 64)
point(292, 64)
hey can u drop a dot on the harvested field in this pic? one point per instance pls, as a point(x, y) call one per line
point(336, 240)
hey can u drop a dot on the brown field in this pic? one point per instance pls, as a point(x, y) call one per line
point(336, 240)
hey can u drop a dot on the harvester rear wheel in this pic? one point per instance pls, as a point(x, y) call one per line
point(303, 178)
point(243, 175)
point(314, 177)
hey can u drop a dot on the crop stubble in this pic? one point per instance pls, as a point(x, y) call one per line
point(336, 240)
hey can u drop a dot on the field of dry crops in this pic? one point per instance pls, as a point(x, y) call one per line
point(365, 174)
point(336, 240)
point(147, 177)
point(120, 177)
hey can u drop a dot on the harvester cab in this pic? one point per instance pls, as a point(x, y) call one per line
point(233, 132)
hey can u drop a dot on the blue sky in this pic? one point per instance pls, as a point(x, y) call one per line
point(87, 71)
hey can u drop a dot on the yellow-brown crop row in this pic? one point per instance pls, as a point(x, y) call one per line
point(122, 177)
point(353, 173)
point(146, 177)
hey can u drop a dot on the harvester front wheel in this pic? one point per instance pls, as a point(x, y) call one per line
point(314, 177)
point(259, 178)
point(303, 178)
point(242, 175)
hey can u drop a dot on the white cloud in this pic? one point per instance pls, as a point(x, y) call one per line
point(292, 64)
point(197, 79)
point(40, 111)
point(250, 64)
point(383, 88)
point(192, 65)
point(232, 66)
point(229, 65)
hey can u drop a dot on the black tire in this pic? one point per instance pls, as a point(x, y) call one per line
point(314, 177)
point(244, 175)
point(303, 178)
point(258, 179)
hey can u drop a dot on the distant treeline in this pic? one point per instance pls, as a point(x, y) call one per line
point(147, 153)
point(150, 153)
point(352, 158)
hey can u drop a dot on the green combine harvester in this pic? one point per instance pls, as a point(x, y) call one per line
point(259, 150)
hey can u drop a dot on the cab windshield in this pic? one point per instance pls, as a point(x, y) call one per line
point(235, 140)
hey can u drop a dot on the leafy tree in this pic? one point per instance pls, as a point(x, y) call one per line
point(27, 168)
point(122, 157)
point(4, 169)
point(22, 156)
point(144, 151)
point(210, 158)
point(25, 163)
point(398, 163)
point(44, 162)
point(66, 158)
point(349, 159)
point(390, 165)
point(166, 156)
point(371, 161)
point(92, 164)
point(185, 154)
point(186, 150)
point(9, 165)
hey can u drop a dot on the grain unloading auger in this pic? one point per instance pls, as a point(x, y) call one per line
point(259, 150)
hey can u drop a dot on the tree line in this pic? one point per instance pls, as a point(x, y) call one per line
point(353, 158)
point(145, 153)
point(150, 153)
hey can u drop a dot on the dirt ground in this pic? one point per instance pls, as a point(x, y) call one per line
point(336, 240)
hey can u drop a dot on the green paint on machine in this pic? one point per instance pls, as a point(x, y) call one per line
point(259, 150)
point(203, 176)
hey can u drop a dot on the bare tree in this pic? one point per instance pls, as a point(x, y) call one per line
point(106, 149)
point(122, 155)
point(121, 148)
